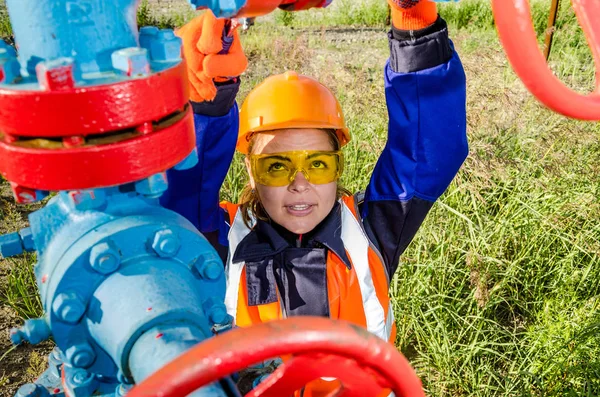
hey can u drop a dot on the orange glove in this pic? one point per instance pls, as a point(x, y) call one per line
point(413, 14)
point(204, 39)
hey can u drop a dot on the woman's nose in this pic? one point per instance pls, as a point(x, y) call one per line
point(300, 183)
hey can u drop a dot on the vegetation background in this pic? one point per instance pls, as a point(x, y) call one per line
point(498, 295)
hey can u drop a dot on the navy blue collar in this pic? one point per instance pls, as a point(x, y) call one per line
point(268, 239)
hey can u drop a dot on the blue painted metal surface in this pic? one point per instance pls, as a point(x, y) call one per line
point(100, 38)
point(70, 29)
point(126, 286)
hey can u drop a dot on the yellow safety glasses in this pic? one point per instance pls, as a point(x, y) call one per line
point(280, 169)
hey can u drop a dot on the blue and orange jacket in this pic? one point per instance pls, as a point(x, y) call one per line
point(283, 275)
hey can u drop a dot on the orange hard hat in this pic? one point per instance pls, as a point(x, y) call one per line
point(290, 100)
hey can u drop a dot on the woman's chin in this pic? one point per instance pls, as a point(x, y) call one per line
point(299, 226)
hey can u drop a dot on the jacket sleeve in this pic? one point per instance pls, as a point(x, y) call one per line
point(425, 90)
point(194, 193)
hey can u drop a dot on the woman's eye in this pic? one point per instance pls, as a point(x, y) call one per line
point(277, 167)
point(318, 164)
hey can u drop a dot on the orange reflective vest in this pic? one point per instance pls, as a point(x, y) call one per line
point(358, 295)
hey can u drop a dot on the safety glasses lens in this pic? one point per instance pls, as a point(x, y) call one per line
point(280, 169)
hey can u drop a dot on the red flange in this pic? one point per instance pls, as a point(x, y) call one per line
point(101, 165)
point(93, 110)
point(513, 20)
point(363, 364)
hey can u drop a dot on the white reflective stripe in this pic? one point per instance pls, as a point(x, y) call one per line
point(389, 321)
point(357, 245)
point(233, 271)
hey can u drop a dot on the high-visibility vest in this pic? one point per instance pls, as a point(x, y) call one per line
point(364, 286)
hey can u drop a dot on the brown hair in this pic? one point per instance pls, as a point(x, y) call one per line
point(249, 201)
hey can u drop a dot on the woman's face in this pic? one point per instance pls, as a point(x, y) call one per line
point(300, 206)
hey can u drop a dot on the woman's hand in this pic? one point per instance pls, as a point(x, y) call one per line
point(213, 52)
point(413, 14)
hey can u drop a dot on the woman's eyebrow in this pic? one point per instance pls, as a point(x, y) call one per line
point(317, 154)
point(279, 157)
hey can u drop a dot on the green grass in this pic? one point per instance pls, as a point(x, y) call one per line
point(499, 293)
point(147, 16)
point(20, 292)
point(5, 28)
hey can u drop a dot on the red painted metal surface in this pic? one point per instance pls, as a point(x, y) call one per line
point(513, 21)
point(365, 364)
point(93, 110)
point(83, 167)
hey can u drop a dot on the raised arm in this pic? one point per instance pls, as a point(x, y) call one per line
point(213, 52)
point(426, 97)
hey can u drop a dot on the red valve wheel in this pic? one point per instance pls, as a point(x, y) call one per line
point(515, 27)
point(364, 364)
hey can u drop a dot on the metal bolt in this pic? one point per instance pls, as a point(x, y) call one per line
point(189, 162)
point(32, 390)
point(165, 46)
point(33, 331)
point(55, 362)
point(57, 74)
point(7, 137)
point(105, 257)
point(68, 307)
point(80, 377)
point(73, 141)
point(81, 355)
point(209, 267)
point(122, 390)
point(124, 379)
point(10, 245)
point(27, 239)
point(6, 50)
point(215, 310)
point(24, 195)
point(84, 200)
point(9, 66)
point(218, 315)
point(153, 186)
point(147, 33)
point(165, 243)
point(131, 61)
point(145, 128)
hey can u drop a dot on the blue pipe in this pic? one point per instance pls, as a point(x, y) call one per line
point(87, 31)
